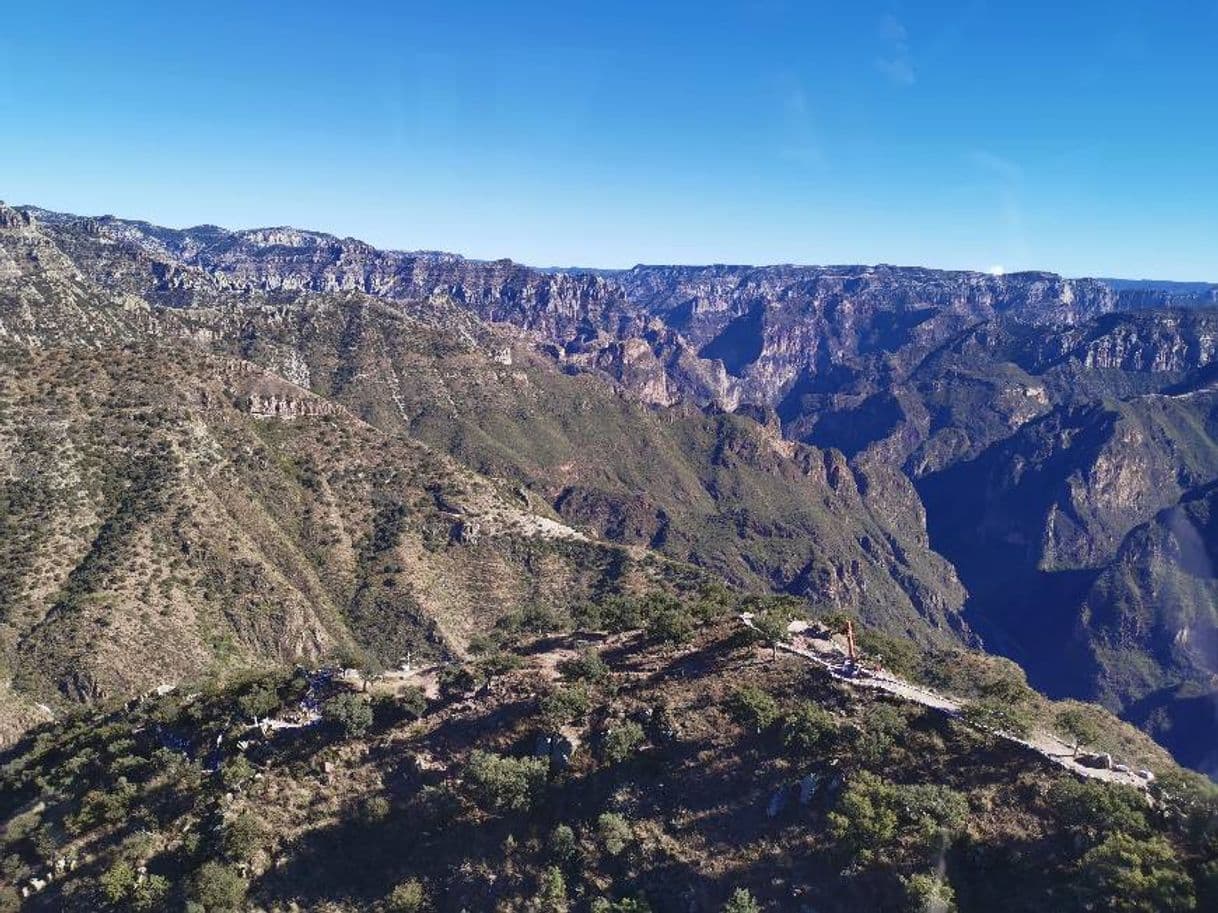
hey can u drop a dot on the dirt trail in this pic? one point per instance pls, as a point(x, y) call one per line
point(829, 655)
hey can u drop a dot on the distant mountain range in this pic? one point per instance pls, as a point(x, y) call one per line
point(1023, 461)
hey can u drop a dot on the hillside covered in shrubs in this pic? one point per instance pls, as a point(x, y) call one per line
point(620, 755)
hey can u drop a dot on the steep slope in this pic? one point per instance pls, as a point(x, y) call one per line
point(1151, 618)
point(609, 772)
point(168, 513)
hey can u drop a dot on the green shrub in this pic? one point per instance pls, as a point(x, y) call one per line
point(1092, 809)
point(621, 741)
point(413, 701)
point(877, 733)
point(587, 666)
point(505, 784)
point(498, 663)
point(562, 845)
point(348, 713)
point(551, 894)
point(621, 613)
point(150, 894)
point(1125, 874)
point(217, 888)
point(872, 813)
point(671, 624)
point(752, 707)
point(565, 706)
point(259, 700)
point(929, 894)
point(809, 729)
point(408, 897)
point(741, 901)
point(457, 681)
point(117, 882)
point(235, 771)
point(615, 833)
point(243, 836)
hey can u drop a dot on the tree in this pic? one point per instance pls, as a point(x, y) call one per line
point(587, 666)
point(1093, 810)
point(1127, 875)
point(808, 729)
point(408, 897)
point(752, 707)
point(551, 896)
point(456, 681)
point(349, 713)
point(1079, 725)
point(615, 833)
point(217, 888)
point(565, 706)
point(771, 628)
point(741, 901)
point(671, 624)
point(562, 846)
point(621, 741)
point(877, 733)
point(244, 836)
point(929, 894)
point(117, 882)
point(505, 784)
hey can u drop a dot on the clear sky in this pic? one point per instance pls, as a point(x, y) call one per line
point(1075, 136)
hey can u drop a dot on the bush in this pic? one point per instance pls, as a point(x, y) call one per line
point(551, 894)
point(620, 613)
point(741, 901)
point(671, 624)
point(565, 706)
point(877, 733)
point(117, 883)
point(349, 713)
point(809, 729)
point(413, 701)
point(259, 700)
point(872, 813)
point(150, 894)
point(752, 707)
point(929, 894)
point(498, 663)
point(614, 832)
point(244, 836)
point(992, 715)
point(562, 845)
point(505, 784)
point(625, 905)
point(1092, 809)
point(622, 740)
point(1127, 875)
point(217, 888)
point(408, 897)
point(457, 681)
point(587, 666)
point(235, 771)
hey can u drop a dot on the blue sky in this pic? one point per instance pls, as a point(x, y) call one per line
point(1079, 137)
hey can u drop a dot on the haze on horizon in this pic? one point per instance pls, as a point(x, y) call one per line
point(957, 135)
